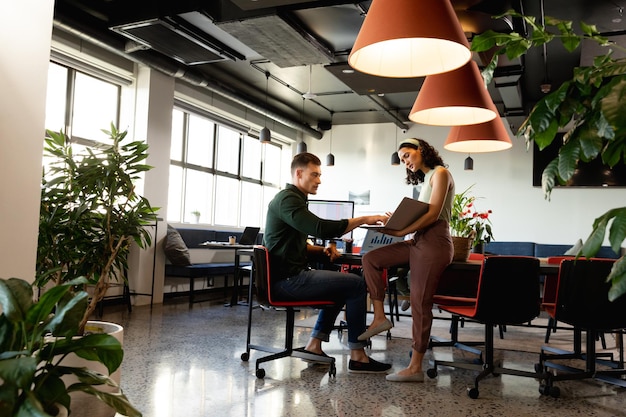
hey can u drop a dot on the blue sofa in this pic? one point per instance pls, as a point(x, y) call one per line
point(206, 263)
point(540, 250)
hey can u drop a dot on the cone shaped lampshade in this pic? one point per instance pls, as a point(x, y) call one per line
point(453, 98)
point(490, 136)
point(409, 38)
point(395, 159)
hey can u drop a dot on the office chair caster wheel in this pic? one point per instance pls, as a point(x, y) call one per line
point(260, 373)
point(554, 392)
point(472, 393)
point(432, 373)
point(332, 372)
point(245, 356)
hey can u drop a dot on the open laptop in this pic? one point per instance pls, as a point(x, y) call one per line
point(406, 213)
point(375, 239)
point(248, 237)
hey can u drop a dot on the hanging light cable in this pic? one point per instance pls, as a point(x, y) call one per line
point(330, 158)
point(265, 136)
point(395, 159)
point(301, 145)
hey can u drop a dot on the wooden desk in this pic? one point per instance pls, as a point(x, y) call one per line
point(473, 266)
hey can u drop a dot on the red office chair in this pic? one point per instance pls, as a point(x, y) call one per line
point(582, 302)
point(261, 278)
point(508, 293)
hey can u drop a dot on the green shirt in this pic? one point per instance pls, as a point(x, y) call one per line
point(289, 223)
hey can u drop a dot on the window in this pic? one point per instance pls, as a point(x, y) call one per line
point(81, 105)
point(219, 171)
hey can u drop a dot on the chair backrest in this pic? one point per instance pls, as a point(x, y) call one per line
point(261, 266)
point(263, 283)
point(583, 296)
point(508, 290)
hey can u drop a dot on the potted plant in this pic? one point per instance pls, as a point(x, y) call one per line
point(589, 107)
point(468, 223)
point(36, 338)
point(91, 213)
point(196, 215)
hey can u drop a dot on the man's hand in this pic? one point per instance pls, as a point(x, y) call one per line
point(331, 251)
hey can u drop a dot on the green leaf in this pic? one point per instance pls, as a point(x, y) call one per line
point(16, 297)
point(568, 159)
point(548, 178)
point(117, 401)
point(617, 277)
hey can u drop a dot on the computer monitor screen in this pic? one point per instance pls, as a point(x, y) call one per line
point(333, 210)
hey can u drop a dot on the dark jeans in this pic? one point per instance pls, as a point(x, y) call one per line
point(321, 285)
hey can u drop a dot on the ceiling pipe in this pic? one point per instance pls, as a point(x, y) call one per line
point(168, 67)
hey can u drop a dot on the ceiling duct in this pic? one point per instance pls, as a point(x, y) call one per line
point(171, 37)
point(170, 68)
point(277, 41)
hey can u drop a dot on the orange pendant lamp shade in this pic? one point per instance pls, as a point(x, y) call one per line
point(409, 38)
point(453, 98)
point(490, 136)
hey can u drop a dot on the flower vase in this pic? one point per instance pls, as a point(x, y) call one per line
point(462, 247)
point(479, 248)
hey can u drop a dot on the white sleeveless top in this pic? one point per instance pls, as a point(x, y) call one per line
point(427, 189)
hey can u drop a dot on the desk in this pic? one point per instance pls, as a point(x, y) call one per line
point(472, 266)
point(239, 251)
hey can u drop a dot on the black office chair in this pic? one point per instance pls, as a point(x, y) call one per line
point(508, 293)
point(261, 279)
point(582, 302)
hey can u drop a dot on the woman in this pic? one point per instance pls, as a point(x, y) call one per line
point(427, 254)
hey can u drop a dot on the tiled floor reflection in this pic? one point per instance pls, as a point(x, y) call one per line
point(182, 362)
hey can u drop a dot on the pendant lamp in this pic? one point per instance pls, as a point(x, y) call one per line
point(395, 159)
point(469, 163)
point(409, 38)
point(301, 148)
point(490, 136)
point(265, 135)
point(453, 98)
point(330, 158)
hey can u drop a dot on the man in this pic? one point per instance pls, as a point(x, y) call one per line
point(289, 223)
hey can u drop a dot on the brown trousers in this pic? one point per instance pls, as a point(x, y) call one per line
point(427, 254)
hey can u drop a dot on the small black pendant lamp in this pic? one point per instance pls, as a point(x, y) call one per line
point(330, 158)
point(265, 136)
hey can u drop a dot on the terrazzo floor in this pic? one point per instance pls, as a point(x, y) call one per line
point(182, 362)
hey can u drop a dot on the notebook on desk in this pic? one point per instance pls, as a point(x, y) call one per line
point(406, 213)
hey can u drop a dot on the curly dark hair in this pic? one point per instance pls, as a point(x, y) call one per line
point(430, 156)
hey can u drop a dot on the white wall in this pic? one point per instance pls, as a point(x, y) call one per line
point(25, 33)
point(503, 180)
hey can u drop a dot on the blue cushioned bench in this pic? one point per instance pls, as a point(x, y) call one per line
point(193, 238)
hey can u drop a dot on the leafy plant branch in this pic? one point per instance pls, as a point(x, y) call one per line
point(589, 108)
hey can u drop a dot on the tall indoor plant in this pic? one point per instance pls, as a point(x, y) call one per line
point(589, 107)
point(35, 337)
point(91, 212)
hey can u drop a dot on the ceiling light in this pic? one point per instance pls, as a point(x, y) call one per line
point(490, 136)
point(454, 98)
point(309, 94)
point(330, 158)
point(409, 38)
point(468, 164)
point(301, 148)
point(266, 136)
point(395, 159)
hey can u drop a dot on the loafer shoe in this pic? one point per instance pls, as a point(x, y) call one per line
point(373, 331)
point(406, 304)
point(316, 361)
point(371, 367)
point(405, 378)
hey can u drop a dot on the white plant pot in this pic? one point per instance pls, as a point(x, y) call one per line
point(83, 404)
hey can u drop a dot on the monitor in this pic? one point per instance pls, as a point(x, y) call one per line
point(333, 210)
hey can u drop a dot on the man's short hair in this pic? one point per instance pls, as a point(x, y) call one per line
point(303, 159)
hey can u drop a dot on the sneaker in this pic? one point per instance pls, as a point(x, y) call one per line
point(371, 367)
